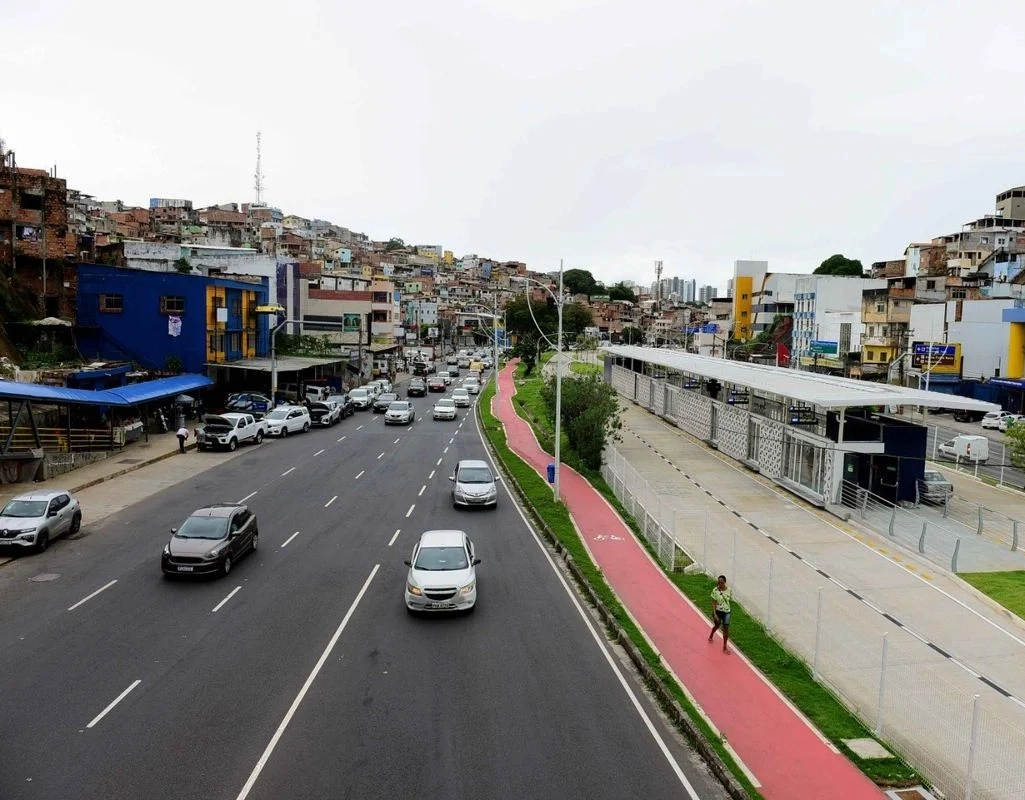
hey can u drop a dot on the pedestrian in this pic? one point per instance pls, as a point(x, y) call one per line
point(722, 595)
point(183, 434)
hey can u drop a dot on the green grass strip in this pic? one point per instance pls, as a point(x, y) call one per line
point(1006, 588)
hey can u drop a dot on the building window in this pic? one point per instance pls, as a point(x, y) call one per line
point(172, 304)
point(112, 303)
point(957, 294)
point(235, 342)
point(880, 308)
point(869, 355)
point(216, 342)
point(236, 308)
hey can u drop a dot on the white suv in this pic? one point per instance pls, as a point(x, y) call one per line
point(284, 420)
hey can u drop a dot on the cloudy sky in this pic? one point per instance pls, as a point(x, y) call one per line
point(608, 134)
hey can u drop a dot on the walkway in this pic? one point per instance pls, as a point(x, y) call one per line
point(786, 756)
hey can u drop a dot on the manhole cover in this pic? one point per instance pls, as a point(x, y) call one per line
point(130, 461)
point(46, 576)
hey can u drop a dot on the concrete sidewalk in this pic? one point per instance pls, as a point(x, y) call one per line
point(883, 618)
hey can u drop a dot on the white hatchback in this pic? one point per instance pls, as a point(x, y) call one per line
point(442, 574)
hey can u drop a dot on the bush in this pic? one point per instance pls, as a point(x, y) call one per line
point(590, 414)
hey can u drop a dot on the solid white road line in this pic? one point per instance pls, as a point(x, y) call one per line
point(329, 502)
point(429, 477)
point(380, 456)
point(359, 474)
point(340, 439)
point(91, 596)
point(422, 490)
point(231, 594)
point(317, 453)
point(306, 687)
point(287, 471)
point(247, 497)
point(395, 536)
point(117, 700)
point(408, 513)
point(290, 538)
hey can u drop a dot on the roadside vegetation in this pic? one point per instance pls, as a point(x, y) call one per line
point(1006, 588)
point(783, 669)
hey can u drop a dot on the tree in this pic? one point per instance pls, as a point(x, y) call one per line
point(1015, 437)
point(518, 316)
point(632, 335)
point(575, 317)
point(840, 265)
point(526, 350)
point(590, 414)
point(581, 281)
point(622, 292)
point(395, 243)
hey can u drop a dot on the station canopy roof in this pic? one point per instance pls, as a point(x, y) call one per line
point(285, 363)
point(122, 396)
point(811, 388)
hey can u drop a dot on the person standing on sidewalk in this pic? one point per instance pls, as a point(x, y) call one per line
point(183, 434)
point(722, 595)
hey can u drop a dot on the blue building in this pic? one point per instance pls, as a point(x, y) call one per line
point(168, 320)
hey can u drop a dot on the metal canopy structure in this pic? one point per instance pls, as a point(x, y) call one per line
point(825, 391)
point(285, 363)
point(123, 396)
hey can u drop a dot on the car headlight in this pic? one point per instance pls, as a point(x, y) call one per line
point(414, 589)
point(167, 550)
point(465, 590)
point(215, 553)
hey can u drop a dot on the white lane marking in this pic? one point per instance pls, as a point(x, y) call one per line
point(452, 440)
point(305, 688)
point(359, 428)
point(599, 640)
point(329, 502)
point(290, 538)
point(359, 474)
point(408, 513)
point(340, 439)
point(396, 441)
point(287, 471)
point(318, 453)
point(422, 490)
point(91, 596)
point(395, 536)
point(439, 463)
point(380, 456)
point(445, 450)
point(231, 594)
point(247, 497)
point(117, 700)
point(429, 477)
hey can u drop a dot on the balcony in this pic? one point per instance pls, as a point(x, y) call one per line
point(877, 341)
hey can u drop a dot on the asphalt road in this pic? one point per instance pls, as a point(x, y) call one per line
point(300, 674)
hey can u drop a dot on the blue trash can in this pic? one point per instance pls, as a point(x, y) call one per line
point(551, 473)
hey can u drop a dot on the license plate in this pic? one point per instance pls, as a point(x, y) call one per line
point(185, 569)
point(439, 605)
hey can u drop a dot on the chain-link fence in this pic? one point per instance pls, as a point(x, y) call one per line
point(967, 740)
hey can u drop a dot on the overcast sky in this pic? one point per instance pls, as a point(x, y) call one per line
point(609, 134)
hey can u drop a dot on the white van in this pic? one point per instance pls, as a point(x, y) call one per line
point(970, 449)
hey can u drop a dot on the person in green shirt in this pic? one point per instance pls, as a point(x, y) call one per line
point(721, 597)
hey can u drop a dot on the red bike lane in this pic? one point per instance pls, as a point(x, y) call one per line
point(786, 756)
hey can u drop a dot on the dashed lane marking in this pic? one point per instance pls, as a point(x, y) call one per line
point(359, 474)
point(289, 539)
point(329, 502)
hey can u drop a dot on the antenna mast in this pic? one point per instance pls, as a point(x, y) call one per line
point(658, 285)
point(258, 185)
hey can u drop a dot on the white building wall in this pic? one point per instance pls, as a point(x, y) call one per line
point(982, 335)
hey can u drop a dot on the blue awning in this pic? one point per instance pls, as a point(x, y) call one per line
point(123, 396)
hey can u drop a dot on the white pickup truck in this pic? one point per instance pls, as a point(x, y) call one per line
point(230, 430)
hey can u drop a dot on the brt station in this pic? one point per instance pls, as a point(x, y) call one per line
point(825, 438)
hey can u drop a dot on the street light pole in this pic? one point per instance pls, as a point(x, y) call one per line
point(558, 388)
point(274, 361)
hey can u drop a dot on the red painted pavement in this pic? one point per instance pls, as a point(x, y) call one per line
point(789, 760)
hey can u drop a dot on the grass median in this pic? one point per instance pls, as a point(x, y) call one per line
point(784, 670)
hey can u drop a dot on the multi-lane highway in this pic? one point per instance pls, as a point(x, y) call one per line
point(301, 675)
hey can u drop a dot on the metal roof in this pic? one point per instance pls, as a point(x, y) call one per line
point(122, 396)
point(285, 363)
point(825, 391)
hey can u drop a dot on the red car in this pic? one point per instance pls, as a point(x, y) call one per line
point(435, 384)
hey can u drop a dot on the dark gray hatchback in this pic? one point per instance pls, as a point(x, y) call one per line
point(211, 540)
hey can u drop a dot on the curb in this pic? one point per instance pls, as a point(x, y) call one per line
point(678, 715)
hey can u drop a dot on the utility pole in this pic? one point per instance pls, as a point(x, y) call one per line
point(258, 176)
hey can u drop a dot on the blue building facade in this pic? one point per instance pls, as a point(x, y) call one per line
point(169, 320)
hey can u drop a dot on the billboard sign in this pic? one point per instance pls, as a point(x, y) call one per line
point(936, 357)
point(821, 348)
point(350, 323)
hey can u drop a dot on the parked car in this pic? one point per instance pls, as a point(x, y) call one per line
point(384, 400)
point(400, 412)
point(326, 413)
point(361, 398)
point(417, 387)
point(284, 420)
point(230, 430)
point(211, 540)
point(34, 519)
point(344, 402)
point(442, 574)
point(436, 384)
point(1011, 419)
point(966, 449)
point(963, 415)
point(474, 484)
point(445, 408)
point(255, 403)
point(992, 419)
point(934, 487)
point(461, 397)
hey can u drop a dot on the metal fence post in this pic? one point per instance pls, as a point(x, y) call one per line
point(973, 744)
point(921, 539)
point(704, 548)
point(1014, 535)
point(882, 687)
point(953, 560)
point(818, 636)
point(979, 531)
point(772, 570)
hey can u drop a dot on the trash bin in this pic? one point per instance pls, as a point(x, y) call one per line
point(551, 473)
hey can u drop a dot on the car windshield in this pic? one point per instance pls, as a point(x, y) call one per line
point(277, 413)
point(387, 397)
point(400, 405)
point(475, 475)
point(446, 403)
point(24, 508)
point(203, 528)
point(358, 393)
point(441, 558)
point(458, 392)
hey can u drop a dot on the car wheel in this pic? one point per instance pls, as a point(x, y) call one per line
point(306, 427)
point(76, 523)
point(284, 431)
point(259, 437)
point(233, 445)
point(226, 566)
point(42, 542)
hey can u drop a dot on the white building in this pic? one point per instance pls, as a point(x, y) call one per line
point(975, 325)
point(827, 318)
